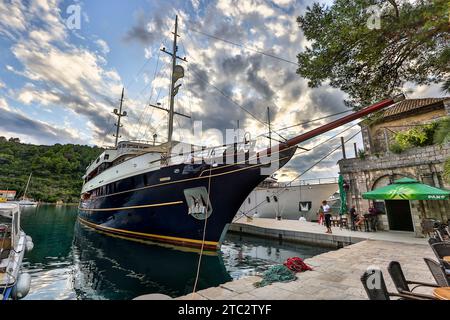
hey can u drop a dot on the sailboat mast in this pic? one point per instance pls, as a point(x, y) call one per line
point(173, 80)
point(26, 188)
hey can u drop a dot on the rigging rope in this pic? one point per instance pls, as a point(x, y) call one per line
point(243, 46)
point(156, 72)
point(153, 109)
point(304, 172)
point(233, 101)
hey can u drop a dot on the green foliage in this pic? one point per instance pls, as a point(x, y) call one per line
point(396, 148)
point(370, 64)
point(420, 136)
point(362, 154)
point(442, 133)
point(57, 170)
point(447, 170)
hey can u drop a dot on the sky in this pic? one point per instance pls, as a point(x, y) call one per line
point(62, 73)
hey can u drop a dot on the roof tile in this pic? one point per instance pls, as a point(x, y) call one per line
point(411, 104)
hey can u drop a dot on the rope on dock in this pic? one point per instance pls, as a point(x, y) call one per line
point(278, 273)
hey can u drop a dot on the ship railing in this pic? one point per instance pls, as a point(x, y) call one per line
point(203, 153)
point(315, 181)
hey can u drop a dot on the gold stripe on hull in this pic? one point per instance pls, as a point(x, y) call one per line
point(135, 207)
point(196, 243)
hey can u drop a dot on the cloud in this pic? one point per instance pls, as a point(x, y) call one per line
point(103, 46)
point(148, 30)
point(59, 74)
point(12, 18)
point(31, 130)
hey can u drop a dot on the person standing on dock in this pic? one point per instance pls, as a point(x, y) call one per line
point(353, 216)
point(327, 213)
point(321, 216)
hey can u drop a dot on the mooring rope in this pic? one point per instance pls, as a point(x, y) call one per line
point(204, 229)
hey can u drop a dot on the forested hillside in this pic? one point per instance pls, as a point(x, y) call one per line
point(57, 169)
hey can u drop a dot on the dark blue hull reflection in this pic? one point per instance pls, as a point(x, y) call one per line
point(156, 208)
point(111, 268)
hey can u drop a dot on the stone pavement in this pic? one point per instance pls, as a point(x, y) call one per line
point(314, 232)
point(336, 274)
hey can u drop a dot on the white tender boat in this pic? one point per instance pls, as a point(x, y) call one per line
point(13, 244)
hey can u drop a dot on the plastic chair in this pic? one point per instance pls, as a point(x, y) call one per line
point(438, 273)
point(441, 250)
point(380, 292)
point(402, 285)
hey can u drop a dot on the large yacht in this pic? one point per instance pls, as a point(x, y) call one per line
point(155, 192)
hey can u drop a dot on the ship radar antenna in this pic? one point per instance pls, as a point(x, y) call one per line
point(119, 115)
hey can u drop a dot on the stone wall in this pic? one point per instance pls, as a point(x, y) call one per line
point(423, 164)
point(378, 136)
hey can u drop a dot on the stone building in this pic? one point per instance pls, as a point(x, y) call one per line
point(380, 167)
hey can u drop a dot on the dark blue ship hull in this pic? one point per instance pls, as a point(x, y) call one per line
point(154, 206)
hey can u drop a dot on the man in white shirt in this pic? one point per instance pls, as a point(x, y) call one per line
point(327, 212)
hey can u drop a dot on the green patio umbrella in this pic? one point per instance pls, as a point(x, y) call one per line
point(407, 189)
point(343, 196)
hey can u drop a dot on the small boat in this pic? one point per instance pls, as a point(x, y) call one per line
point(27, 201)
point(13, 244)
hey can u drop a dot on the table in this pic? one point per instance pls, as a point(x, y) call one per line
point(442, 293)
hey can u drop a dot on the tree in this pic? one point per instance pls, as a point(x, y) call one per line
point(442, 134)
point(15, 140)
point(57, 170)
point(447, 170)
point(371, 48)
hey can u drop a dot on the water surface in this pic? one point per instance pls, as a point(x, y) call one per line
point(71, 261)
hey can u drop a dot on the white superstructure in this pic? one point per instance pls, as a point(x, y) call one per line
point(273, 199)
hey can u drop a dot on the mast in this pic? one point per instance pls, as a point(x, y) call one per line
point(270, 130)
point(119, 115)
point(177, 73)
point(172, 82)
point(26, 188)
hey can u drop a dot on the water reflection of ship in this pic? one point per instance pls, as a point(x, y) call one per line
point(112, 268)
